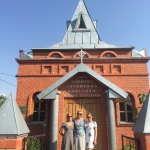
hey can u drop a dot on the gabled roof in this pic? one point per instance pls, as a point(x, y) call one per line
point(84, 69)
point(84, 36)
point(12, 122)
point(142, 124)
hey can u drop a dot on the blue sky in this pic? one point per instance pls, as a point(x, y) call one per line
point(25, 24)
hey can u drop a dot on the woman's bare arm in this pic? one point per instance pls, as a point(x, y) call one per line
point(61, 130)
point(95, 135)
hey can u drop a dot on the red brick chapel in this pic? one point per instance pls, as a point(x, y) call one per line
point(82, 72)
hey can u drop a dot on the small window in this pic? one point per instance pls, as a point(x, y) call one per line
point(109, 55)
point(125, 109)
point(81, 23)
point(39, 109)
point(55, 55)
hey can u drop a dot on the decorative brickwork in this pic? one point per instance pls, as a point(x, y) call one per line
point(55, 54)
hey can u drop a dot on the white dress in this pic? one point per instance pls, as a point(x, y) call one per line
point(89, 128)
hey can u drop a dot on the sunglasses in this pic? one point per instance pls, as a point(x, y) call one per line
point(89, 117)
point(79, 114)
point(69, 116)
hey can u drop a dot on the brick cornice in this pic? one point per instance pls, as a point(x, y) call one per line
point(85, 60)
point(61, 75)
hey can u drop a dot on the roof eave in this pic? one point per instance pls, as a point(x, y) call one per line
point(76, 60)
point(113, 48)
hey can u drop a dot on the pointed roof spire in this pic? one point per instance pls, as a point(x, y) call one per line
point(142, 124)
point(12, 122)
point(81, 32)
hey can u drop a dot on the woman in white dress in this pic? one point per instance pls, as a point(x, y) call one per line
point(91, 132)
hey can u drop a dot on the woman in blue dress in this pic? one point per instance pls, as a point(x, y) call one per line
point(79, 131)
point(91, 132)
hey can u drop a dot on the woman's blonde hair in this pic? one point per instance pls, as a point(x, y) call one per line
point(89, 113)
point(80, 110)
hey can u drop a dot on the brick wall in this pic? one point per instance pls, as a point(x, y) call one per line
point(12, 142)
point(39, 73)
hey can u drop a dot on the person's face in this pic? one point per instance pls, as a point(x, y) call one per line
point(79, 114)
point(89, 118)
point(69, 117)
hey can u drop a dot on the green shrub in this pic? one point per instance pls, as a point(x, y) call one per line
point(128, 147)
point(33, 144)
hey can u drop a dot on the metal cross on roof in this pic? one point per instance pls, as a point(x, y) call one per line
point(81, 54)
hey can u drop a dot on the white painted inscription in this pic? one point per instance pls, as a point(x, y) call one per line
point(82, 87)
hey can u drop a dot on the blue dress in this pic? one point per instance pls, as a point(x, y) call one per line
point(79, 134)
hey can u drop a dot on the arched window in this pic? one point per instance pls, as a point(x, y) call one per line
point(39, 109)
point(55, 55)
point(109, 55)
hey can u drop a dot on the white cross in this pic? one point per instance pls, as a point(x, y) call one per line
point(81, 54)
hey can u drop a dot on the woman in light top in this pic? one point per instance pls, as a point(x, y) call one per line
point(79, 131)
point(67, 127)
point(91, 132)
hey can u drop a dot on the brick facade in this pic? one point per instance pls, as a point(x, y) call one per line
point(35, 75)
point(12, 143)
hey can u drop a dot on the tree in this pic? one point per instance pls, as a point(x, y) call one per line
point(141, 98)
point(2, 99)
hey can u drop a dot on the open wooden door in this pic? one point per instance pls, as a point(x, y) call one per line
point(87, 105)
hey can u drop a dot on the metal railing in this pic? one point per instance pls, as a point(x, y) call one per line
point(129, 143)
point(38, 137)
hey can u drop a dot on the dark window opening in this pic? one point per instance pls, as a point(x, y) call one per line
point(109, 55)
point(126, 114)
point(81, 23)
point(56, 56)
point(39, 109)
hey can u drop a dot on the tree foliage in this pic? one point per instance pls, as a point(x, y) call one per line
point(141, 98)
point(2, 99)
